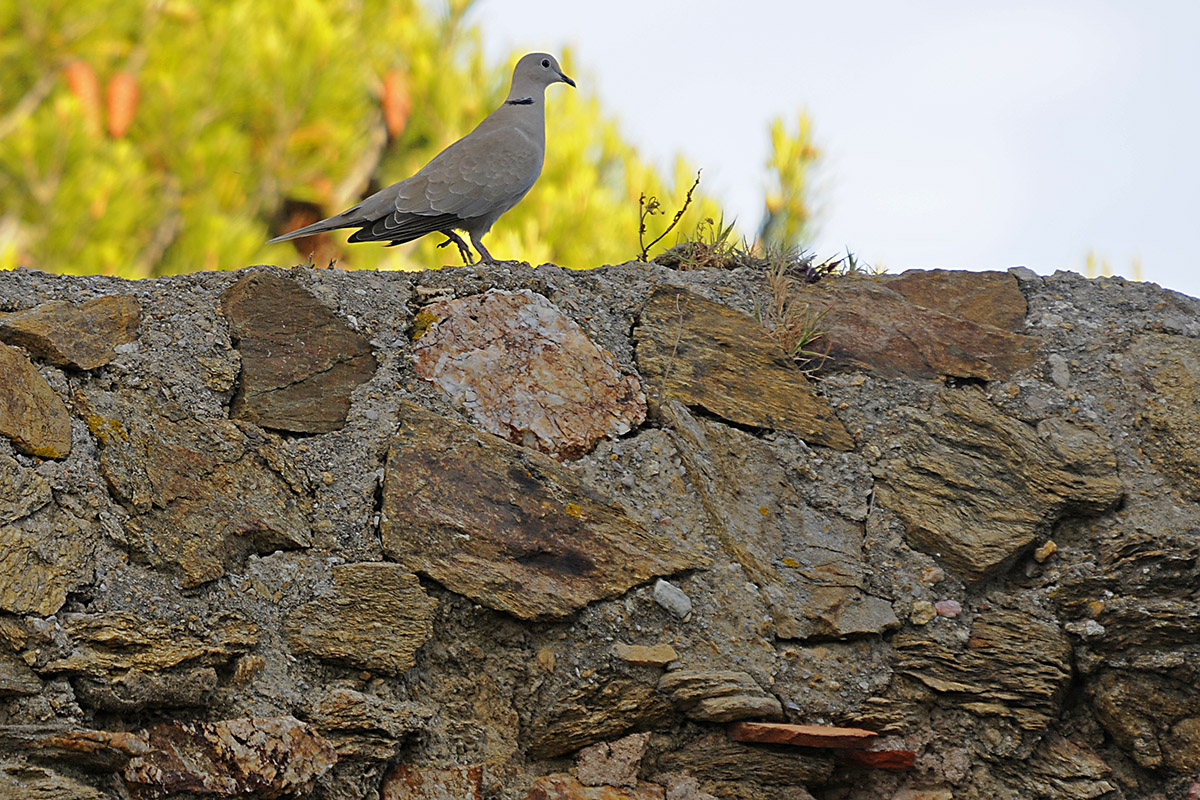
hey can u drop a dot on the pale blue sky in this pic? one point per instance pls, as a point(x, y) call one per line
point(958, 135)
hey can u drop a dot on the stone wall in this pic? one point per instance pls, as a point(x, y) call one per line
point(533, 533)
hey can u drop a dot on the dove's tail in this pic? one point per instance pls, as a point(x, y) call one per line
point(333, 223)
point(346, 219)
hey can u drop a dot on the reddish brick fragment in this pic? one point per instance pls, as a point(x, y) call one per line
point(801, 735)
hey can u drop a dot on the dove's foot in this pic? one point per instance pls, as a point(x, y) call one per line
point(484, 255)
point(463, 250)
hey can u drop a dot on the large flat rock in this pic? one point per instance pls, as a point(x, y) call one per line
point(375, 618)
point(113, 643)
point(185, 481)
point(1014, 665)
point(123, 662)
point(43, 557)
point(714, 758)
point(883, 325)
point(593, 714)
point(32, 415)
point(19, 781)
point(807, 563)
point(300, 362)
point(526, 372)
point(719, 695)
point(985, 298)
point(1166, 382)
point(79, 336)
point(363, 726)
point(976, 486)
point(707, 355)
point(509, 527)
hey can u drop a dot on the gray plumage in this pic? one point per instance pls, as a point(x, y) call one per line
point(468, 185)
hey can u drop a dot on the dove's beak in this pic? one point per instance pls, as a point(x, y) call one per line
point(565, 79)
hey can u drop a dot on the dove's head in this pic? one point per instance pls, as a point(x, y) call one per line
point(537, 71)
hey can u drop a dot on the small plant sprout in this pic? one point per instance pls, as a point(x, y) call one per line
point(650, 206)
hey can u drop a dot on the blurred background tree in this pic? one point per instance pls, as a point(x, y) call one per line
point(167, 136)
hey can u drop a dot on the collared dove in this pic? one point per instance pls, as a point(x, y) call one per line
point(468, 185)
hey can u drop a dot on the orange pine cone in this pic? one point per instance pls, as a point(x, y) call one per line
point(82, 82)
point(395, 101)
point(122, 103)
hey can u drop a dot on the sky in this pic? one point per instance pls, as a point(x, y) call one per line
point(953, 135)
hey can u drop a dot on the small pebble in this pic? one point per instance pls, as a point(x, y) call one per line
point(923, 612)
point(948, 608)
point(546, 658)
point(672, 598)
point(1045, 551)
point(931, 575)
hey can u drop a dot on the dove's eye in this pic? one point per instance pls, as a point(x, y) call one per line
point(546, 63)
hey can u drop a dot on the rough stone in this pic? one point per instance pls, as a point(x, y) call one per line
point(822, 680)
point(1168, 391)
point(261, 756)
point(527, 373)
point(719, 696)
point(658, 655)
point(1014, 665)
point(376, 618)
point(22, 490)
point(563, 787)
point(706, 355)
point(113, 643)
point(871, 325)
point(136, 690)
point(595, 714)
point(612, 763)
point(16, 678)
point(26, 782)
point(977, 513)
point(801, 735)
point(807, 564)
point(185, 481)
point(1139, 597)
point(414, 782)
point(985, 298)
point(44, 557)
point(300, 362)
point(91, 750)
point(364, 726)
point(510, 527)
point(713, 758)
point(31, 414)
point(1154, 718)
point(77, 336)
point(1068, 770)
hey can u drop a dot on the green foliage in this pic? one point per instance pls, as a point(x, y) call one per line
point(243, 105)
point(788, 216)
